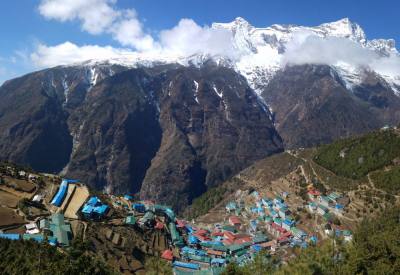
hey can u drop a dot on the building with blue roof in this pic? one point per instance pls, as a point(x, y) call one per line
point(254, 209)
point(256, 248)
point(218, 262)
point(188, 228)
point(34, 237)
point(139, 207)
point(287, 224)
point(187, 265)
point(314, 239)
point(170, 214)
point(62, 192)
point(193, 240)
point(278, 199)
point(128, 197)
point(339, 208)
point(253, 225)
point(266, 202)
point(52, 240)
point(8, 236)
point(192, 251)
point(95, 209)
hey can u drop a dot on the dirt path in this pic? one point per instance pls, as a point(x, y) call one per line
point(84, 230)
point(373, 187)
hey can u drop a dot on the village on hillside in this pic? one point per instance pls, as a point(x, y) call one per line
point(58, 210)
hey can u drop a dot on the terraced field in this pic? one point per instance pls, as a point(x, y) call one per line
point(9, 217)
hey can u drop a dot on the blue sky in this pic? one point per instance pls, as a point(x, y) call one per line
point(24, 26)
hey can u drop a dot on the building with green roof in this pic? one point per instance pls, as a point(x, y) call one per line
point(131, 220)
point(60, 229)
point(235, 248)
point(260, 238)
point(231, 206)
point(229, 228)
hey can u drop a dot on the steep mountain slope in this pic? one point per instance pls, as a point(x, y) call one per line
point(153, 130)
point(329, 55)
point(171, 126)
point(285, 65)
point(312, 105)
point(222, 127)
point(34, 110)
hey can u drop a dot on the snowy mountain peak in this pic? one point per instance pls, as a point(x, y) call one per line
point(345, 28)
point(258, 53)
point(238, 24)
point(386, 47)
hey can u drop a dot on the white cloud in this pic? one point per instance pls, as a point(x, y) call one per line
point(307, 48)
point(188, 38)
point(100, 16)
point(96, 15)
point(129, 32)
point(67, 53)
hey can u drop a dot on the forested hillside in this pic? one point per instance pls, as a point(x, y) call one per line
point(29, 257)
point(356, 157)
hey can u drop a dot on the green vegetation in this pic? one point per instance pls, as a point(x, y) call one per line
point(157, 266)
point(28, 257)
point(356, 157)
point(332, 180)
point(206, 201)
point(388, 181)
point(262, 264)
point(374, 250)
point(211, 198)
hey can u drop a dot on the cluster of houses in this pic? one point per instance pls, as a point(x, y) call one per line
point(331, 203)
point(328, 206)
point(196, 248)
point(274, 215)
point(233, 241)
point(56, 230)
point(242, 236)
point(18, 173)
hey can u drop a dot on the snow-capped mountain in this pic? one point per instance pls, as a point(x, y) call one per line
point(263, 50)
point(168, 124)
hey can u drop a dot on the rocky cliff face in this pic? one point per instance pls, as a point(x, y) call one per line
point(213, 124)
point(168, 132)
point(312, 105)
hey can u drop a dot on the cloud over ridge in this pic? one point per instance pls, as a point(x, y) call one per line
point(188, 38)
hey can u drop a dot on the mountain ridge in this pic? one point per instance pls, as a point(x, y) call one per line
point(153, 124)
